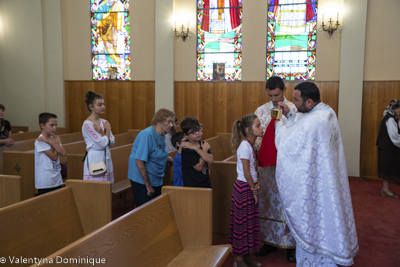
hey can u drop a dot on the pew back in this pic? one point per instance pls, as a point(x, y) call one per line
point(176, 223)
point(10, 190)
point(42, 225)
point(223, 177)
point(220, 146)
point(32, 135)
point(16, 129)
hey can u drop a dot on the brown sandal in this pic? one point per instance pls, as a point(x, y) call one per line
point(385, 194)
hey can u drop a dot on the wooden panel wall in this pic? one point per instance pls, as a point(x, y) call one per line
point(376, 98)
point(129, 105)
point(218, 104)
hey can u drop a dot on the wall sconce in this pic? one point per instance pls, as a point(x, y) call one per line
point(184, 34)
point(330, 27)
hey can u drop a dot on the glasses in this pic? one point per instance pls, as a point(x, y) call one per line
point(195, 131)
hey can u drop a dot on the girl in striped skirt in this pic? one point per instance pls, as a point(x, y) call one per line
point(244, 225)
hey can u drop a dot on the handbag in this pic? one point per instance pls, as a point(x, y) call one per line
point(97, 168)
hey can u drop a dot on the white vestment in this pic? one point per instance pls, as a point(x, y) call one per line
point(312, 179)
point(272, 218)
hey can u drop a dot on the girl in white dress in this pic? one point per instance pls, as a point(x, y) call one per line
point(98, 138)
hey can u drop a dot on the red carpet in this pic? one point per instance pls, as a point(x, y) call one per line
point(377, 223)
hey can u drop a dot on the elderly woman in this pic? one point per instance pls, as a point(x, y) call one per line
point(5, 130)
point(389, 148)
point(149, 157)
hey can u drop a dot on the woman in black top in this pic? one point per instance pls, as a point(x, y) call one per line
point(5, 130)
point(388, 143)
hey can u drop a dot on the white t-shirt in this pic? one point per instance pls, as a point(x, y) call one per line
point(47, 172)
point(245, 151)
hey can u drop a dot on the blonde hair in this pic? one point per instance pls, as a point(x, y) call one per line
point(161, 115)
point(239, 129)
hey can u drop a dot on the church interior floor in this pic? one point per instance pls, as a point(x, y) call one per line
point(377, 223)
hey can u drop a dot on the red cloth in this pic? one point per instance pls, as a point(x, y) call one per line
point(267, 153)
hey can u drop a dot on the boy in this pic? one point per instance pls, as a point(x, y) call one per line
point(47, 148)
point(176, 140)
point(196, 155)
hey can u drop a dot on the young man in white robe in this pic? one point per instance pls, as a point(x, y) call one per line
point(312, 179)
point(272, 218)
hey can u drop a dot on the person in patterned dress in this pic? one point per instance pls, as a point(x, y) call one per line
point(272, 217)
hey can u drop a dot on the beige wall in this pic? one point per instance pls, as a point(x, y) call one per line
point(382, 57)
point(77, 41)
point(31, 79)
point(382, 37)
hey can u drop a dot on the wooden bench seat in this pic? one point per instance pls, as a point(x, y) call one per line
point(10, 190)
point(39, 226)
point(22, 163)
point(174, 229)
point(16, 129)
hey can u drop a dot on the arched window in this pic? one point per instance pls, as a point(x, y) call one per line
point(110, 40)
point(291, 39)
point(219, 40)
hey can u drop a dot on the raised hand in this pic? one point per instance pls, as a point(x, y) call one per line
point(206, 146)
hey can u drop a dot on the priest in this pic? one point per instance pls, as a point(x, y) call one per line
point(272, 218)
point(312, 179)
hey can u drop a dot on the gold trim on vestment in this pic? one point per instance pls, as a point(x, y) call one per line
point(270, 219)
point(275, 245)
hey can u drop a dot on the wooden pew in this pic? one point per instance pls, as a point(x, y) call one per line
point(120, 157)
point(119, 154)
point(17, 129)
point(23, 162)
point(39, 226)
point(33, 135)
point(174, 229)
point(10, 190)
point(223, 177)
point(29, 144)
point(220, 146)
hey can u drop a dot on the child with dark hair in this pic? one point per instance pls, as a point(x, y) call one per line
point(5, 129)
point(176, 140)
point(196, 155)
point(47, 150)
point(98, 138)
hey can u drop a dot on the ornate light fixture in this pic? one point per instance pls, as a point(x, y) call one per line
point(184, 34)
point(330, 27)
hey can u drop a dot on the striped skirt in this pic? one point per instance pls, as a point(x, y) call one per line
point(244, 232)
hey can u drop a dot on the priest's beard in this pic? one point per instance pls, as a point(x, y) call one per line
point(303, 108)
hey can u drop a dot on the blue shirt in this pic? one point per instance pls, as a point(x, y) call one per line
point(177, 178)
point(149, 147)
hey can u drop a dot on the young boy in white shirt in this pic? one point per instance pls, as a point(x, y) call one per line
point(47, 150)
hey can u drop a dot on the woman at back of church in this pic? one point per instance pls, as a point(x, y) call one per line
point(99, 139)
point(389, 148)
point(5, 130)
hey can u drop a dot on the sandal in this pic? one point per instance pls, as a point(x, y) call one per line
point(250, 261)
point(239, 263)
point(385, 194)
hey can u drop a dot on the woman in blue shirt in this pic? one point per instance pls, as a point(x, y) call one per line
point(149, 157)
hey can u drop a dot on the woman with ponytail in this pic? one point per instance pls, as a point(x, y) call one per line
point(244, 224)
point(98, 138)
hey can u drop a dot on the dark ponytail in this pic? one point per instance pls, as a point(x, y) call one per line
point(91, 97)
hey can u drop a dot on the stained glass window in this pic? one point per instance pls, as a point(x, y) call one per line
point(291, 39)
point(219, 40)
point(110, 39)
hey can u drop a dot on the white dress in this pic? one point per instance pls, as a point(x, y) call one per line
point(95, 146)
